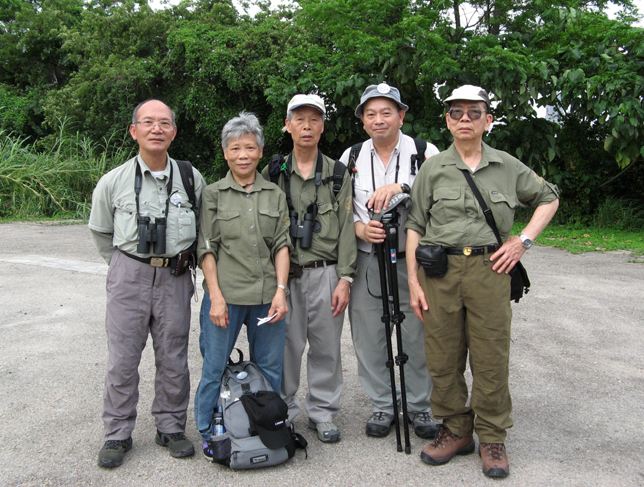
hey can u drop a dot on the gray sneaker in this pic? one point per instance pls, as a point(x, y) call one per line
point(113, 453)
point(327, 432)
point(379, 424)
point(424, 424)
point(177, 443)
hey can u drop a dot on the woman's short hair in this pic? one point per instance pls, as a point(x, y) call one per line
point(244, 124)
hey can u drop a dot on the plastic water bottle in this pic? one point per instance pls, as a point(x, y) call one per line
point(218, 427)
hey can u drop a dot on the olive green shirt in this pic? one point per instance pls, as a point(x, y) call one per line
point(113, 219)
point(244, 231)
point(336, 239)
point(445, 211)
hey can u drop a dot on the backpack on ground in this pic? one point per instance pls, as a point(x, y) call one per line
point(257, 433)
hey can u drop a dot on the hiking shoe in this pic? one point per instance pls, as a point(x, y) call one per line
point(327, 432)
point(207, 449)
point(379, 424)
point(495, 460)
point(113, 452)
point(177, 443)
point(445, 446)
point(424, 424)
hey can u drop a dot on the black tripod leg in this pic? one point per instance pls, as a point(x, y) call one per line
point(397, 319)
point(382, 265)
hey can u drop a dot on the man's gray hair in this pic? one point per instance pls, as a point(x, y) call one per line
point(245, 124)
point(135, 113)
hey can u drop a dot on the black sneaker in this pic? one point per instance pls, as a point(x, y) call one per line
point(177, 443)
point(424, 424)
point(207, 449)
point(113, 453)
point(379, 424)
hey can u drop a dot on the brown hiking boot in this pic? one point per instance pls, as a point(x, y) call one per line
point(445, 446)
point(495, 460)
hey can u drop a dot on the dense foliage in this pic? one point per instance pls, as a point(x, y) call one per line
point(83, 64)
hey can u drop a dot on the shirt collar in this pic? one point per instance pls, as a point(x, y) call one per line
point(453, 158)
point(145, 168)
point(229, 183)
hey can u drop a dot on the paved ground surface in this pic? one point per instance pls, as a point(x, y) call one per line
point(577, 378)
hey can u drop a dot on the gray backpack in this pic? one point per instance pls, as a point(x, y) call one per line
point(241, 446)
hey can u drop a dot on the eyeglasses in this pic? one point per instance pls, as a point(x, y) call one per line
point(163, 124)
point(473, 113)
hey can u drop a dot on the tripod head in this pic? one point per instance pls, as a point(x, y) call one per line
point(387, 213)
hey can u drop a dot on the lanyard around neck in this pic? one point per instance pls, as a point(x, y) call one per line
point(373, 177)
point(138, 182)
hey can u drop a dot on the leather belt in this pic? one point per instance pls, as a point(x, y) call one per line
point(319, 263)
point(472, 250)
point(153, 261)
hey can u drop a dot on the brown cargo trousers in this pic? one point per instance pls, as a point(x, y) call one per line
point(469, 310)
point(143, 300)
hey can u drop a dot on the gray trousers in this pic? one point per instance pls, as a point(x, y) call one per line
point(369, 339)
point(142, 299)
point(310, 318)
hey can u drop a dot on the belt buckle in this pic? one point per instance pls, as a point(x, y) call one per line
point(467, 251)
point(156, 261)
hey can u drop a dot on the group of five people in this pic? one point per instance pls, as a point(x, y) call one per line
point(295, 243)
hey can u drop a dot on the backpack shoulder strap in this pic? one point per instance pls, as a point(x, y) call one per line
point(275, 166)
point(338, 176)
point(188, 180)
point(419, 157)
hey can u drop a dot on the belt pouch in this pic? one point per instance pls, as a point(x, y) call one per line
point(295, 271)
point(433, 259)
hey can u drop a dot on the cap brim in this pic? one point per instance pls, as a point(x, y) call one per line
point(308, 105)
point(274, 439)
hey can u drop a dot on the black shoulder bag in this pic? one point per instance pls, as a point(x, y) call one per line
point(520, 283)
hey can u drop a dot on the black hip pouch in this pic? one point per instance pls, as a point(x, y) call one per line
point(433, 259)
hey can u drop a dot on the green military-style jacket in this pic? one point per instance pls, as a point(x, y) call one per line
point(336, 239)
point(445, 211)
point(244, 231)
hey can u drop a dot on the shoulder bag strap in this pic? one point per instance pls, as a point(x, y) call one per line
point(489, 218)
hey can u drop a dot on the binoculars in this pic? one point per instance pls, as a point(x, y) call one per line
point(303, 229)
point(151, 235)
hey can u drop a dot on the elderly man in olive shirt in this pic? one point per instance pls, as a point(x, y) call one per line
point(324, 263)
point(143, 296)
point(468, 309)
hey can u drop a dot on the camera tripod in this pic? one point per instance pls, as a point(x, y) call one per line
point(386, 254)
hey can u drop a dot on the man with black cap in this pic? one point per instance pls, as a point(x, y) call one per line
point(323, 264)
point(467, 311)
point(383, 168)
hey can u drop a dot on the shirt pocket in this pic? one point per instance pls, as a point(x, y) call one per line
point(125, 225)
point(229, 225)
point(328, 218)
point(449, 205)
point(187, 226)
point(503, 206)
point(268, 225)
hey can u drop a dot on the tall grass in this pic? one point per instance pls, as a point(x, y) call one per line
point(56, 178)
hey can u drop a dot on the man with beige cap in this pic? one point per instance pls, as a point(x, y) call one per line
point(323, 264)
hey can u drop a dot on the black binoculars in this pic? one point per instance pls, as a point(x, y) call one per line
point(303, 229)
point(151, 235)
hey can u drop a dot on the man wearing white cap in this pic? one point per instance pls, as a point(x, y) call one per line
point(323, 264)
point(467, 310)
point(381, 167)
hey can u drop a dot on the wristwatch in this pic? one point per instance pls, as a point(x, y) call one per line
point(525, 241)
point(349, 279)
point(405, 188)
point(284, 288)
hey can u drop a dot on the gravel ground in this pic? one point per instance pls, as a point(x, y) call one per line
point(577, 379)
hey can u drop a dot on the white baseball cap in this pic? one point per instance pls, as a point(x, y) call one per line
point(469, 93)
point(306, 100)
